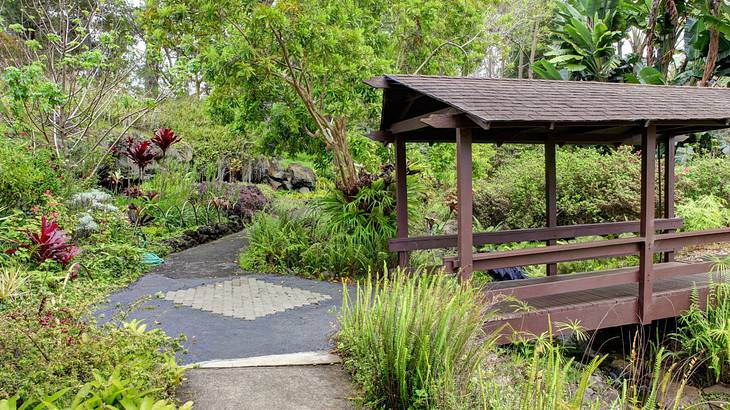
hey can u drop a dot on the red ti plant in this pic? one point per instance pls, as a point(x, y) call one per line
point(51, 243)
point(142, 155)
point(164, 138)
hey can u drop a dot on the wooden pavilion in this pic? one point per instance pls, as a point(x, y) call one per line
point(501, 111)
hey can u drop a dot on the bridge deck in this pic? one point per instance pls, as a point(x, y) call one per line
point(597, 308)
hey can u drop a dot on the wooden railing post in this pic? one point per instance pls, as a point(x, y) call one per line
point(401, 195)
point(668, 207)
point(551, 211)
point(465, 198)
point(646, 231)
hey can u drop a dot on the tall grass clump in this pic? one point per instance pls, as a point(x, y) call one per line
point(547, 380)
point(705, 332)
point(413, 342)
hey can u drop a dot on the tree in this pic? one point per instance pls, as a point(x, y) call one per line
point(311, 57)
point(68, 84)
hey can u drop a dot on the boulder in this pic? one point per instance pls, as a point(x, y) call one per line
point(301, 176)
point(276, 172)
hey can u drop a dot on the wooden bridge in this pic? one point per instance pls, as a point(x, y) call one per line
point(465, 111)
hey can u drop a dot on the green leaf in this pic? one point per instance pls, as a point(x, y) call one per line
point(650, 75)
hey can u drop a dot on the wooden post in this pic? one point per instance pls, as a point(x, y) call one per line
point(668, 207)
point(551, 211)
point(646, 230)
point(465, 197)
point(401, 196)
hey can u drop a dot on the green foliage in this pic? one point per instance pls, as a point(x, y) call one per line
point(550, 381)
point(706, 212)
point(26, 175)
point(111, 392)
point(704, 176)
point(57, 347)
point(584, 45)
point(332, 235)
point(705, 332)
point(413, 342)
point(211, 143)
point(591, 187)
point(299, 240)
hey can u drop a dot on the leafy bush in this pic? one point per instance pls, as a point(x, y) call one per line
point(705, 333)
point(705, 176)
point(25, 175)
point(339, 234)
point(591, 187)
point(111, 392)
point(413, 342)
point(47, 348)
point(705, 212)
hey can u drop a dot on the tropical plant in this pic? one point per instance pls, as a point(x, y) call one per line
point(141, 154)
point(51, 243)
point(413, 341)
point(164, 138)
point(584, 45)
point(705, 332)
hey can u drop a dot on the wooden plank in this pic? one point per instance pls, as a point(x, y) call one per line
point(574, 282)
point(401, 195)
point(524, 235)
point(600, 308)
point(465, 195)
point(646, 226)
point(552, 254)
point(676, 240)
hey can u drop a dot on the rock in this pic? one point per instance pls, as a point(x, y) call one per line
point(690, 395)
point(301, 176)
point(275, 172)
point(304, 190)
point(451, 227)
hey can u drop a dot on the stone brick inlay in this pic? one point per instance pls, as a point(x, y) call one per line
point(244, 298)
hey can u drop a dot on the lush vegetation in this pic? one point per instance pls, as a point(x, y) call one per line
point(131, 129)
point(417, 342)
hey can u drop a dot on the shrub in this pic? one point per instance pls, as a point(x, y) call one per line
point(25, 175)
point(413, 342)
point(591, 187)
point(705, 176)
point(48, 348)
point(705, 212)
point(705, 333)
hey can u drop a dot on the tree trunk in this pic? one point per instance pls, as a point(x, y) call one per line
point(713, 47)
point(343, 161)
point(533, 50)
point(650, 32)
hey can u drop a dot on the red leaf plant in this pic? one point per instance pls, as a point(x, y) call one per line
point(51, 243)
point(142, 155)
point(164, 138)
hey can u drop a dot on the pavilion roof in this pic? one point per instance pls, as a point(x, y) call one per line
point(531, 109)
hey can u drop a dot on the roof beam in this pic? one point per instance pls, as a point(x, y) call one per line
point(377, 82)
point(458, 120)
point(416, 123)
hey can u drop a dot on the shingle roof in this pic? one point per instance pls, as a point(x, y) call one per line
point(497, 100)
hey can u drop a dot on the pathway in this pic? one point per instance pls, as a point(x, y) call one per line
point(226, 313)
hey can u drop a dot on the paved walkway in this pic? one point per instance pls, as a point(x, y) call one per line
point(226, 313)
